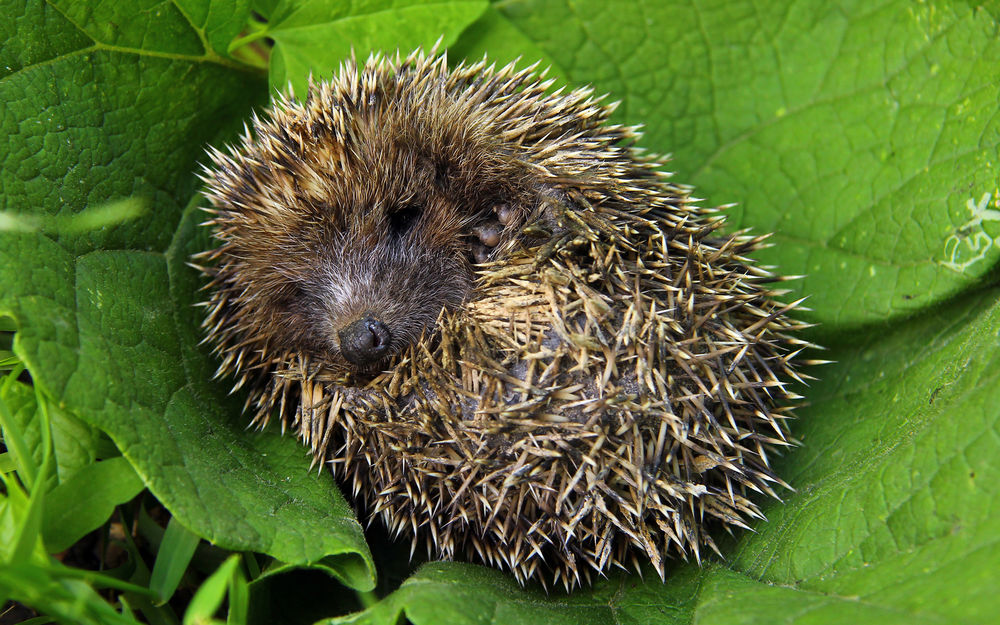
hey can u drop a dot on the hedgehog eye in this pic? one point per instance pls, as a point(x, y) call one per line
point(402, 220)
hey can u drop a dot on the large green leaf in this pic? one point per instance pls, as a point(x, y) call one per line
point(896, 518)
point(865, 134)
point(106, 319)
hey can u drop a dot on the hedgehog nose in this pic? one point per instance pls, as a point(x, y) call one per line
point(365, 341)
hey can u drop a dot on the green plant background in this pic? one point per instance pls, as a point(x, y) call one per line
point(864, 134)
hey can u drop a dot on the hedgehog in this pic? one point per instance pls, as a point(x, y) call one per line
point(510, 335)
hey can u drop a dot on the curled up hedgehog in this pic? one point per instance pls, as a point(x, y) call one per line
point(497, 319)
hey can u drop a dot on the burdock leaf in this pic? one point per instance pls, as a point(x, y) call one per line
point(312, 38)
point(897, 478)
point(136, 25)
point(895, 518)
point(865, 135)
point(110, 103)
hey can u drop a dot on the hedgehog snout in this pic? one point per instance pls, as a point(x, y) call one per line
point(375, 302)
point(365, 341)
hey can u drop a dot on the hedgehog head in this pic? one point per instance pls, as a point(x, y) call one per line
point(349, 221)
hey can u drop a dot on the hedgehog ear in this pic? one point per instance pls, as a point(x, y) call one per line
point(442, 175)
point(438, 169)
point(431, 169)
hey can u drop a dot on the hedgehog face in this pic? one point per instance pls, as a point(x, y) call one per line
point(347, 225)
point(351, 252)
point(398, 248)
point(383, 281)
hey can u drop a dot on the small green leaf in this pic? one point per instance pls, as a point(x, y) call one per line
point(26, 457)
point(172, 559)
point(313, 38)
point(108, 214)
point(217, 21)
point(38, 620)
point(59, 592)
point(8, 360)
point(239, 599)
point(7, 462)
point(140, 575)
point(207, 601)
point(14, 222)
point(18, 517)
point(84, 501)
point(28, 518)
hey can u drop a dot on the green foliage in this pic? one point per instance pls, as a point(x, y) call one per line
point(82, 503)
point(312, 38)
point(172, 559)
point(207, 601)
point(864, 134)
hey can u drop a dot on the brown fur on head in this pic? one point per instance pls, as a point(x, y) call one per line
point(366, 201)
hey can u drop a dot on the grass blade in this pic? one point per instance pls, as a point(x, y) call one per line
point(172, 560)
